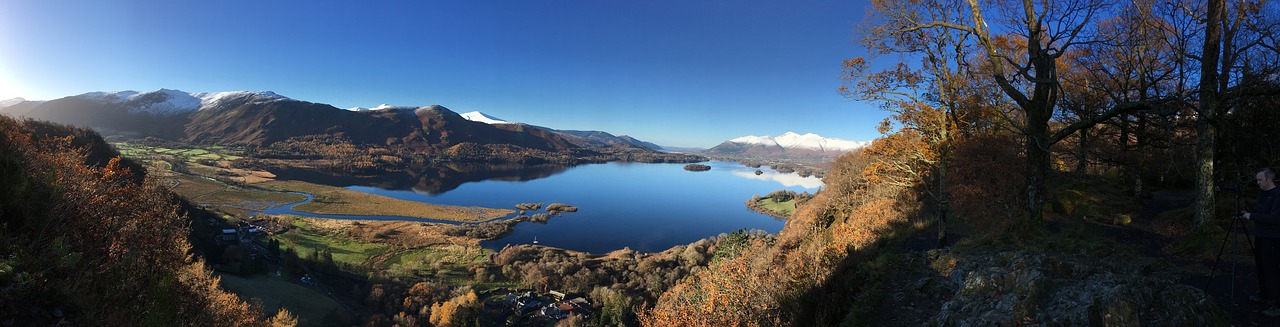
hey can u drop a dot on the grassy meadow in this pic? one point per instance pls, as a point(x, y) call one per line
point(341, 201)
point(784, 208)
point(276, 292)
point(207, 171)
point(396, 247)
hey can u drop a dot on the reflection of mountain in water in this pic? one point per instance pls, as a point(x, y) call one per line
point(786, 179)
point(436, 180)
point(429, 180)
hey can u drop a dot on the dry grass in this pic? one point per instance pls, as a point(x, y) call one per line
point(193, 187)
point(403, 234)
point(340, 201)
point(328, 200)
point(204, 191)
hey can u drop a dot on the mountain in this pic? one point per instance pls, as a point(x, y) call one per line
point(263, 118)
point(288, 129)
point(477, 116)
point(808, 141)
point(638, 142)
point(162, 113)
point(429, 129)
point(790, 146)
point(174, 102)
point(282, 128)
point(604, 139)
point(10, 102)
point(17, 106)
point(589, 139)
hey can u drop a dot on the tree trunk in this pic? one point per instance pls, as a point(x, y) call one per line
point(1082, 153)
point(1126, 171)
point(1139, 166)
point(1207, 111)
point(1204, 172)
point(1037, 167)
point(943, 198)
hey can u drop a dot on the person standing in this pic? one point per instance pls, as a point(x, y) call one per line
point(1266, 256)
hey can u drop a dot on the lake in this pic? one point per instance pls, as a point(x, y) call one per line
point(646, 207)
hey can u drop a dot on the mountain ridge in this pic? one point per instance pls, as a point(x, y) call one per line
point(789, 146)
point(811, 141)
point(582, 138)
point(260, 119)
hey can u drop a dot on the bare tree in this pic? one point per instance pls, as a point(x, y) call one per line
point(1018, 49)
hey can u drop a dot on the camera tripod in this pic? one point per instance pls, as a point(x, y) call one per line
point(1236, 219)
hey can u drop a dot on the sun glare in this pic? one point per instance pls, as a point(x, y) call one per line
point(9, 88)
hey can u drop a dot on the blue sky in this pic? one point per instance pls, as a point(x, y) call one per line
point(680, 73)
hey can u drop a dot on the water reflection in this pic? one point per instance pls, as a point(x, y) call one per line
point(429, 180)
point(645, 207)
point(786, 179)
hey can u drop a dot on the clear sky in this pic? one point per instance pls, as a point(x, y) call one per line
point(678, 73)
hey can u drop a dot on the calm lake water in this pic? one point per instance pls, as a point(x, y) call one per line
point(646, 207)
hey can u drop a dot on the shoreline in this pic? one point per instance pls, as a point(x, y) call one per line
point(347, 204)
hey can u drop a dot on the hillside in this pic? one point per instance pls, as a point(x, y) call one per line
point(90, 241)
point(589, 139)
point(865, 252)
point(604, 139)
point(266, 119)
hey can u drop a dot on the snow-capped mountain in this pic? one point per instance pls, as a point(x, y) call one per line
point(175, 102)
point(809, 141)
point(790, 146)
point(263, 117)
point(484, 118)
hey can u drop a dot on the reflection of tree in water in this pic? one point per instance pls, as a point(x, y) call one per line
point(447, 177)
point(430, 180)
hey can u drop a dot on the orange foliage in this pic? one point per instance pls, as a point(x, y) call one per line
point(455, 311)
point(726, 294)
point(111, 249)
point(760, 287)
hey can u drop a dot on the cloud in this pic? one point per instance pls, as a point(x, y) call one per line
point(786, 179)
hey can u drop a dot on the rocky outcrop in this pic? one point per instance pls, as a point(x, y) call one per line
point(1027, 287)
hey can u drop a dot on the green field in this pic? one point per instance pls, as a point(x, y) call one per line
point(784, 208)
point(147, 153)
point(275, 292)
point(306, 239)
point(448, 261)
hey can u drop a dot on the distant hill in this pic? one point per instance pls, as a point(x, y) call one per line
point(589, 139)
point(263, 118)
point(384, 137)
point(604, 139)
point(788, 146)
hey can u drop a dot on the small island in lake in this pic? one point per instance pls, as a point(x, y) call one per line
point(697, 167)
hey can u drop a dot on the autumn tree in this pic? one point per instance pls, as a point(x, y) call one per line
point(459, 311)
point(1017, 47)
point(936, 100)
point(90, 239)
